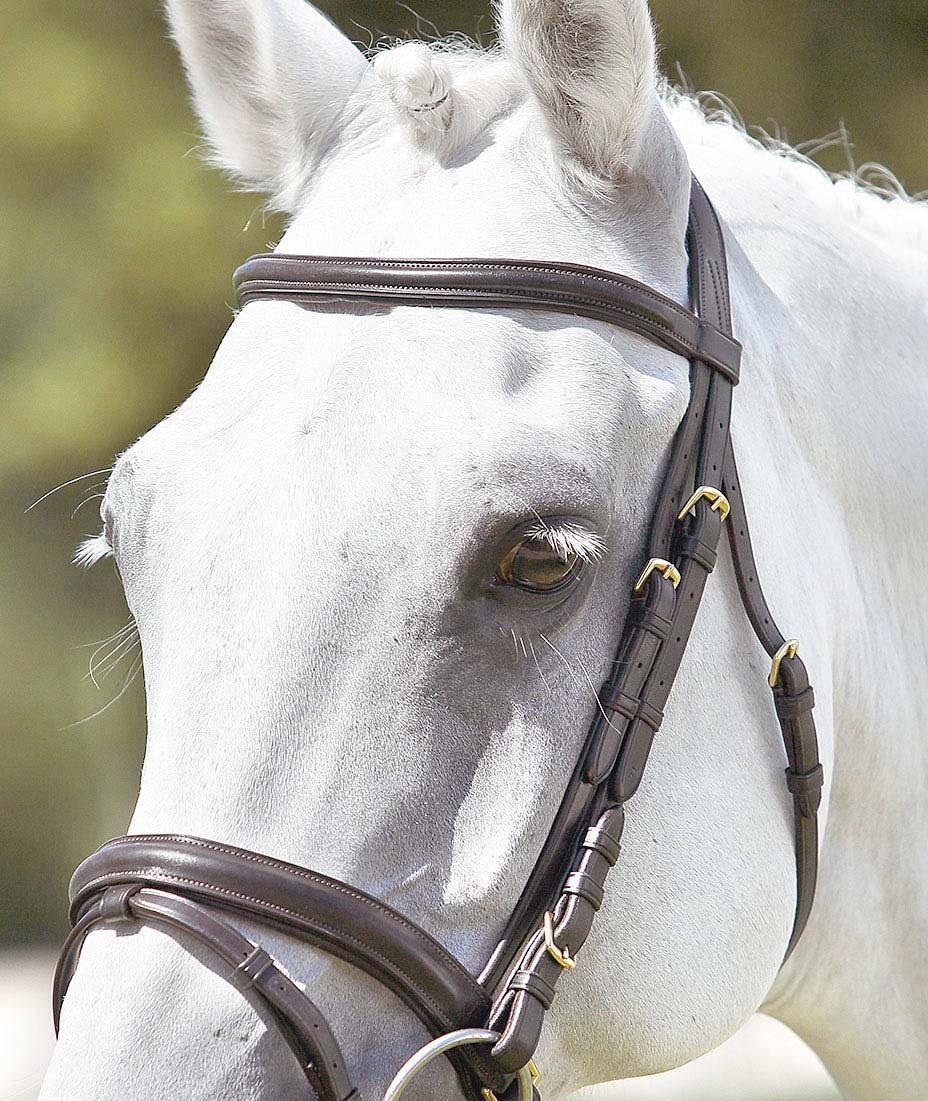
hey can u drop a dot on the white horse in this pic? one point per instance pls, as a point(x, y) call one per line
point(306, 545)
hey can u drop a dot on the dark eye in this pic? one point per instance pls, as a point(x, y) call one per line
point(535, 565)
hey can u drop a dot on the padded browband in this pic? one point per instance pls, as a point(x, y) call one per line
point(497, 284)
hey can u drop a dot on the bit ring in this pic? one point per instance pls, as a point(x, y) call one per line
point(452, 1040)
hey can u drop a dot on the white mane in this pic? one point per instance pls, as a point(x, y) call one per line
point(869, 198)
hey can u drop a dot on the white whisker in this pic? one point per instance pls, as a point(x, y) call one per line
point(64, 485)
point(128, 626)
point(569, 668)
point(86, 501)
point(133, 672)
point(101, 669)
point(122, 643)
point(130, 678)
point(537, 666)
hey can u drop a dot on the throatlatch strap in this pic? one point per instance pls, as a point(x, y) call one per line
point(793, 700)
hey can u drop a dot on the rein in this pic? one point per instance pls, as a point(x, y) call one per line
point(489, 1025)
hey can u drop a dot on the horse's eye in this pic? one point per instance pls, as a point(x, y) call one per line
point(535, 565)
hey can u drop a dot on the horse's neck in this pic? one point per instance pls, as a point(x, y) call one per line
point(832, 413)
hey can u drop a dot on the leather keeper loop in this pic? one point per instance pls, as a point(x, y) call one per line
point(651, 716)
point(114, 904)
point(584, 885)
point(655, 624)
point(701, 553)
point(250, 970)
point(535, 985)
point(623, 704)
point(599, 839)
point(790, 706)
point(806, 789)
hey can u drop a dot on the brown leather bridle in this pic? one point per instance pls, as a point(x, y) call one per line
point(181, 884)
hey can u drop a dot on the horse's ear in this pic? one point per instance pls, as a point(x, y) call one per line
point(270, 79)
point(592, 64)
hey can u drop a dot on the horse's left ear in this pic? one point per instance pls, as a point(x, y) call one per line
point(592, 65)
point(271, 80)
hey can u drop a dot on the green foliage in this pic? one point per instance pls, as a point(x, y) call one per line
point(116, 247)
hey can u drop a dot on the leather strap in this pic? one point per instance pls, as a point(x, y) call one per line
point(491, 284)
point(649, 657)
point(326, 913)
point(793, 701)
point(251, 970)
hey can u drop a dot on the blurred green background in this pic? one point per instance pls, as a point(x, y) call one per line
point(116, 247)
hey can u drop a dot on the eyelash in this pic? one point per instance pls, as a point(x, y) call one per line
point(568, 539)
point(93, 550)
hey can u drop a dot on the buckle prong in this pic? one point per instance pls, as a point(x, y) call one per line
point(561, 955)
point(716, 496)
point(789, 649)
point(666, 569)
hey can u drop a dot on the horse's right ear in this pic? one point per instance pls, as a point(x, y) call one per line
point(592, 66)
point(270, 80)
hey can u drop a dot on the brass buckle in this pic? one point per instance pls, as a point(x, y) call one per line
point(789, 649)
point(534, 1074)
point(666, 569)
point(716, 496)
point(562, 955)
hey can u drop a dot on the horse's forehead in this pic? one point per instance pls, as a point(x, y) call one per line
point(504, 195)
point(385, 406)
point(397, 193)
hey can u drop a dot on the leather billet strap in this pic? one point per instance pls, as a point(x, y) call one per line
point(650, 650)
point(620, 736)
point(793, 700)
point(491, 284)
